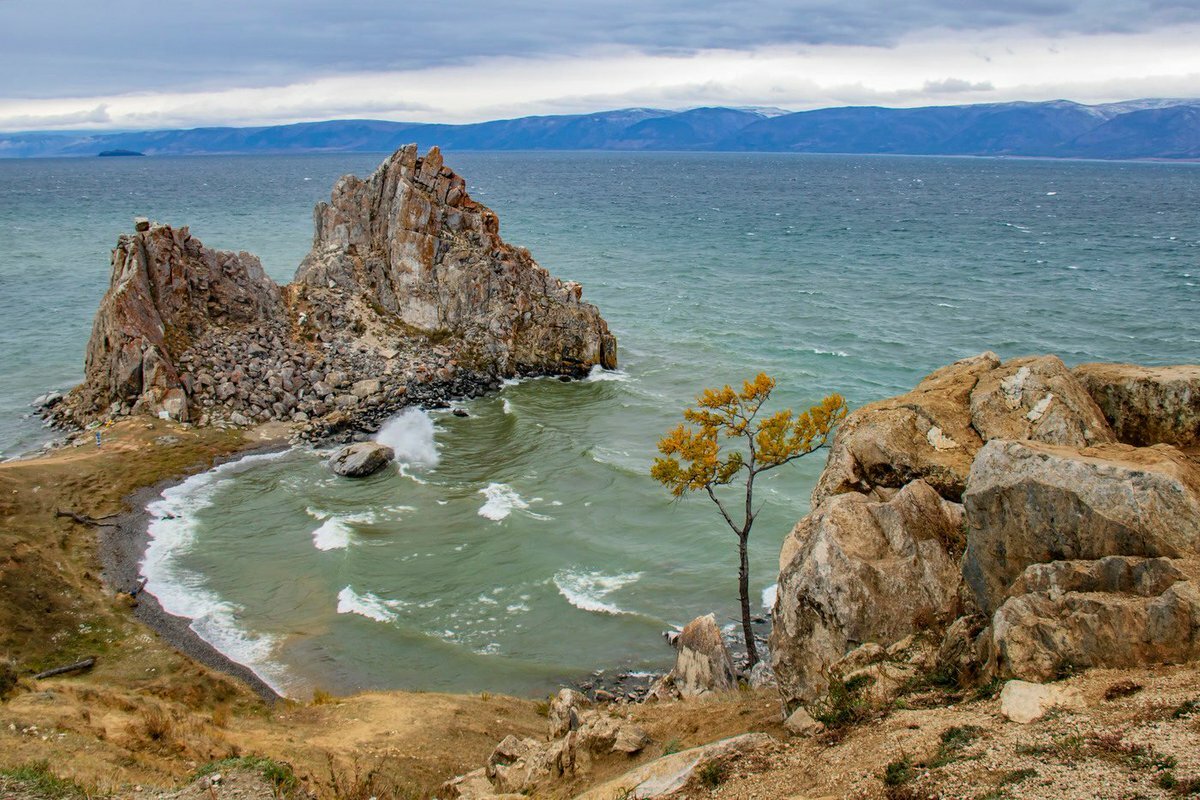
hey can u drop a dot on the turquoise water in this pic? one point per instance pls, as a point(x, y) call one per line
point(849, 274)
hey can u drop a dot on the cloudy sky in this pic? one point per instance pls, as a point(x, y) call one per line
point(110, 64)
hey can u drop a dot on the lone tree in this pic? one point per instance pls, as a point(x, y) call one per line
point(727, 442)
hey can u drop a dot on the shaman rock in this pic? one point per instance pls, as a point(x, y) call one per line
point(413, 239)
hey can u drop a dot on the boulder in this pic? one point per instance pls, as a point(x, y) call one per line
point(933, 432)
point(361, 459)
point(675, 774)
point(801, 723)
point(1031, 503)
point(860, 570)
point(1147, 405)
point(1117, 611)
point(564, 712)
point(702, 661)
point(1039, 399)
point(1028, 702)
point(367, 387)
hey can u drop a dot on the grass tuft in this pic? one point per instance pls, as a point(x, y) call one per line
point(36, 778)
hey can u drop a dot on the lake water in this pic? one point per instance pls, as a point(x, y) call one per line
point(526, 545)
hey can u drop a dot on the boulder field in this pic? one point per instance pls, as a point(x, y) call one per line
point(408, 296)
point(1024, 519)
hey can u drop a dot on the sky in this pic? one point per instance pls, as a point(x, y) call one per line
point(117, 64)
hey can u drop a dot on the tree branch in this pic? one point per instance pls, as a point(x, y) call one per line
point(721, 506)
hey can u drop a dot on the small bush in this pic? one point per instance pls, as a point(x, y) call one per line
point(711, 774)
point(954, 741)
point(8, 679)
point(37, 778)
point(320, 697)
point(898, 772)
point(1186, 709)
point(672, 746)
point(157, 725)
point(542, 708)
point(844, 705)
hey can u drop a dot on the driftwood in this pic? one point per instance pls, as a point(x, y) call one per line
point(78, 666)
point(84, 519)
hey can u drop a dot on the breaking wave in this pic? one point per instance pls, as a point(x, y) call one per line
point(587, 590)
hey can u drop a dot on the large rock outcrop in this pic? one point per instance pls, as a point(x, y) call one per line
point(860, 570)
point(412, 238)
point(1081, 549)
point(933, 432)
point(1032, 503)
point(166, 291)
point(1147, 405)
point(408, 296)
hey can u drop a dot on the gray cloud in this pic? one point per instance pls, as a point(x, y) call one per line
point(95, 116)
point(956, 86)
point(85, 48)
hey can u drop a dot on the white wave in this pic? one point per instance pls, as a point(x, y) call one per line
point(368, 605)
point(502, 501)
point(587, 590)
point(334, 533)
point(820, 352)
point(508, 407)
point(599, 373)
point(1051, 194)
point(410, 435)
point(181, 592)
point(768, 596)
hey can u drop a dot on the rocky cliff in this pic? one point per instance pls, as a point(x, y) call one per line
point(1021, 517)
point(408, 296)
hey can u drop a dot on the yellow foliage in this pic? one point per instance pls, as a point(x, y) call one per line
point(693, 457)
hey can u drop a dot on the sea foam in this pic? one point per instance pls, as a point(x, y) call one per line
point(410, 435)
point(587, 590)
point(502, 500)
point(368, 605)
point(181, 592)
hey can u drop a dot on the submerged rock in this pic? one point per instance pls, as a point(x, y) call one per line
point(361, 459)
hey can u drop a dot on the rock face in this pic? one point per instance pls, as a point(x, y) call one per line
point(1111, 612)
point(1080, 512)
point(1147, 405)
point(166, 291)
point(412, 237)
point(933, 432)
point(1031, 503)
point(702, 662)
point(860, 570)
point(408, 297)
point(361, 459)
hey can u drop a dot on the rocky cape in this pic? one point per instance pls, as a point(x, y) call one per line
point(409, 296)
point(1003, 520)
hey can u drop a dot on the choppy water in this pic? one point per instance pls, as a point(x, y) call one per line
point(525, 544)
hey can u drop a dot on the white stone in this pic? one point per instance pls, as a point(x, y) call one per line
point(1025, 702)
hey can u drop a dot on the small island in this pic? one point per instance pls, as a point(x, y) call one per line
point(118, 153)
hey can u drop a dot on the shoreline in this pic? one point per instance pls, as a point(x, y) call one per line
point(122, 544)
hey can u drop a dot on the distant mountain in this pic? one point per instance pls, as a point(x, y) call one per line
point(1150, 128)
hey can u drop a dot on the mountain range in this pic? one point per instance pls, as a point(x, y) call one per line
point(1138, 129)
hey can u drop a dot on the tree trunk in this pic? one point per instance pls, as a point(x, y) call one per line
point(744, 591)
